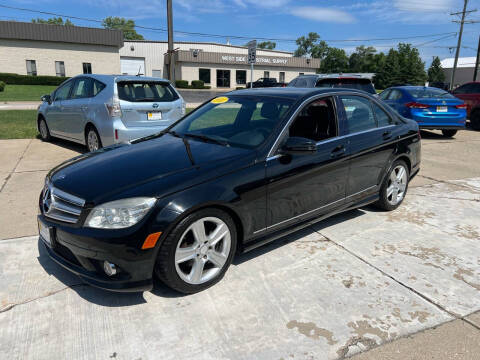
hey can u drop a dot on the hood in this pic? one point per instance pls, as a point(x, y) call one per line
point(97, 177)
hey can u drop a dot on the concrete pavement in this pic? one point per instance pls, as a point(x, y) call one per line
point(407, 280)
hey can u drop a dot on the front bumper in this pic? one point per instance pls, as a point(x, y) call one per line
point(82, 254)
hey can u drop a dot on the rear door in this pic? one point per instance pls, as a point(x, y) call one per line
point(148, 103)
point(76, 108)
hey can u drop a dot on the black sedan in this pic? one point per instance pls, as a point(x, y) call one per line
point(237, 172)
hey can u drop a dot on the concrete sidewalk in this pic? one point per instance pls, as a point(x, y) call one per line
point(19, 105)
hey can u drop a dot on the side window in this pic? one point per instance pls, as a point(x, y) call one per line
point(97, 87)
point(383, 119)
point(476, 89)
point(395, 95)
point(316, 121)
point(301, 83)
point(82, 88)
point(384, 94)
point(359, 113)
point(62, 92)
point(464, 89)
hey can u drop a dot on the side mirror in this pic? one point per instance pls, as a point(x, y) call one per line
point(299, 145)
point(46, 98)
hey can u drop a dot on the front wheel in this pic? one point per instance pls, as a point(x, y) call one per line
point(475, 120)
point(44, 132)
point(449, 133)
point(394, 187)
point(197, 252)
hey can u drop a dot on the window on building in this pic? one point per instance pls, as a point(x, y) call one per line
point(266, 74)
point(281, 78)
point(204, 75)
point(223, 78)
point(301, 73)
point(60, 68)
point(157, 73)
point(31, 67)
point(87, 68)
point(241, 76)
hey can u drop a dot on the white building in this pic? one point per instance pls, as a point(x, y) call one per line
point(218, 65)
point(464, 72)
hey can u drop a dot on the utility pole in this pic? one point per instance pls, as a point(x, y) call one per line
point(476, 62)
point(459, 43)
point(170, 51)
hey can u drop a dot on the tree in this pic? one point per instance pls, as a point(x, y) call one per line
point(389, 74)
point(412, 68)
point(335, 61)
point(435, 71)
point(53, 21)
point(269, 45)
point(311, 46)
point(363, 60)
point(127, 26)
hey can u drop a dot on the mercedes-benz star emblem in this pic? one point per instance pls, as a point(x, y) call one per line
point(46, 202)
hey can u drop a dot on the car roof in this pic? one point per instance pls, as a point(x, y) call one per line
point(118, 78)
point(291, 92)
point(413, 87)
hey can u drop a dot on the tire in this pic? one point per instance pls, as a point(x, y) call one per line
point(449, 133)
point(44, 131)
point(92, 139)
point(198, 266)
point(475, 120)
point(387, 201)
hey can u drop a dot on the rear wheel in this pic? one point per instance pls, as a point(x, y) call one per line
point(475, 120)
point(44, 131)
point(394, 187)
point(449, 133)
point(197, 252)
point(92, 139)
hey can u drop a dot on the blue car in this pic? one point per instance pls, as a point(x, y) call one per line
point(431, 108)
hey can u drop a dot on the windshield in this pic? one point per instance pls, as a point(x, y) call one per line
point(243, 121)
point(429, 93)
point(146, 91)
point(359, 84)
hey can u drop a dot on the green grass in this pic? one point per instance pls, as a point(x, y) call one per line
point(25, 92)
point(18, 124)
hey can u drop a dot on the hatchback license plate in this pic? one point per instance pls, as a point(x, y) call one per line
point(44, 232)
point(154, 116)
point(442, 108)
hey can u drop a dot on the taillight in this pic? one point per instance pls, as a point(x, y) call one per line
point(415, 105)
point(461, 106)
point(113, 108)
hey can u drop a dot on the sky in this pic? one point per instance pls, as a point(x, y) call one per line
point(333, 20)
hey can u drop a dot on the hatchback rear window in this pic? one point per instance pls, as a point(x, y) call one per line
point(429, 93)
point(146, 91)
point(359, 84)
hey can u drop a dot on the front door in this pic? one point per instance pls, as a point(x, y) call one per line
point(223, 78)
point(303, 186)
point(55, 111)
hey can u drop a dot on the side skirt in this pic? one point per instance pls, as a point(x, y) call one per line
point(280, 233)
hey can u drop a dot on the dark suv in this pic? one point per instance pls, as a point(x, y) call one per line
point(470, 94)
point(349, 81)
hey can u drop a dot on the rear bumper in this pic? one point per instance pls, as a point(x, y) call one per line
point(441, 127)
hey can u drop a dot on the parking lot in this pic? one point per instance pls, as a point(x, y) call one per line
point(399, 285)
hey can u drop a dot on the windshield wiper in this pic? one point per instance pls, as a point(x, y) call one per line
point(157, 135)
point(207, 138)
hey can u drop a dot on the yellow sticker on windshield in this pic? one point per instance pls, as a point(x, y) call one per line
point(219, 100)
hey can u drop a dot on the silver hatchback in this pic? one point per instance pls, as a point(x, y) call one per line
point(101, 110)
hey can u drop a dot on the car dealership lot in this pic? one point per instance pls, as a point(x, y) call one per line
point(344, 285)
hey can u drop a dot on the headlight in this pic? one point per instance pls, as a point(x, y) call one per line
point(119, 214)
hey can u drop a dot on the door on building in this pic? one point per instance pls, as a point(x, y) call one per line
point(157, 73)
point(266, 74)
point(132, 65)
point(281, 77)
point(223, 78)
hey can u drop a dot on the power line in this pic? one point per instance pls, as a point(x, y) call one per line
point(222, 36)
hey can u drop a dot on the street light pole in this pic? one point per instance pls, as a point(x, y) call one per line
point(171, 65)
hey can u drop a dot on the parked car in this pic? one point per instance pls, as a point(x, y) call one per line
point(346, 81)
point(237, 172)
point(470, 93)
point(266, 82)
point(102, 110)
point(430, 107)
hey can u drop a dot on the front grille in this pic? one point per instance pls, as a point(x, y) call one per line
point(61, 206)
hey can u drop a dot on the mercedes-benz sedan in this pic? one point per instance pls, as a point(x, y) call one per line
point(239, 171)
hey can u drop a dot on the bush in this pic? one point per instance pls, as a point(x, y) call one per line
point(239, 88)
point(16, 79)
point(198, 84)
point(2, 86)
point(181, 84)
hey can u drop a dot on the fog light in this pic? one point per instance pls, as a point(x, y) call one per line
point(109, 268)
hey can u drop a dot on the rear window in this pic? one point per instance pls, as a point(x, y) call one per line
point(358, 84)
point(429, 93)
point(146, 91)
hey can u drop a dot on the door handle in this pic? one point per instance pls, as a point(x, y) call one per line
point(387, 135)
point(84, 107)
point(338, 151)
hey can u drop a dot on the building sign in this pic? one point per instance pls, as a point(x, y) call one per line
point(264, 60)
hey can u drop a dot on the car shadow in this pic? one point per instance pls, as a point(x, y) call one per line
point(69, 145)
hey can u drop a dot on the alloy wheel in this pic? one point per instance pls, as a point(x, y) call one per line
point(203, 250)
point(397, 184)
point(92, 141)
point(43, 129)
